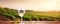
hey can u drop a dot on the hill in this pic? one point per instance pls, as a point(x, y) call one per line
point(31, 15)
point(43, 16)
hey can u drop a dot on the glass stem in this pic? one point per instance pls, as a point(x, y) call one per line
point(21, 20)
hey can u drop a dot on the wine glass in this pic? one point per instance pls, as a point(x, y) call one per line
point(21, 13)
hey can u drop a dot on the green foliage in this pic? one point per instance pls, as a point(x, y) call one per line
point(10, 13)
point(30, 15)
point(36, 16)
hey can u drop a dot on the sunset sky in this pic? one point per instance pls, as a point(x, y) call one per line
point(37, 5)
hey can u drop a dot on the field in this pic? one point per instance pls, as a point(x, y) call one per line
point(30, 15)
point(42, 16)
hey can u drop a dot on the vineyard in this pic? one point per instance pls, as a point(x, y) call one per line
point(30, 15)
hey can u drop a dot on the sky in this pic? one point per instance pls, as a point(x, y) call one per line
point(36, 5)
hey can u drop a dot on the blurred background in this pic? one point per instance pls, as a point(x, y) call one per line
point(36, 10)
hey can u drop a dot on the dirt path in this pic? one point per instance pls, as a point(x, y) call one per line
point(3, 18)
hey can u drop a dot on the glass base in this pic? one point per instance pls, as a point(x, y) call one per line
point(21, 22)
